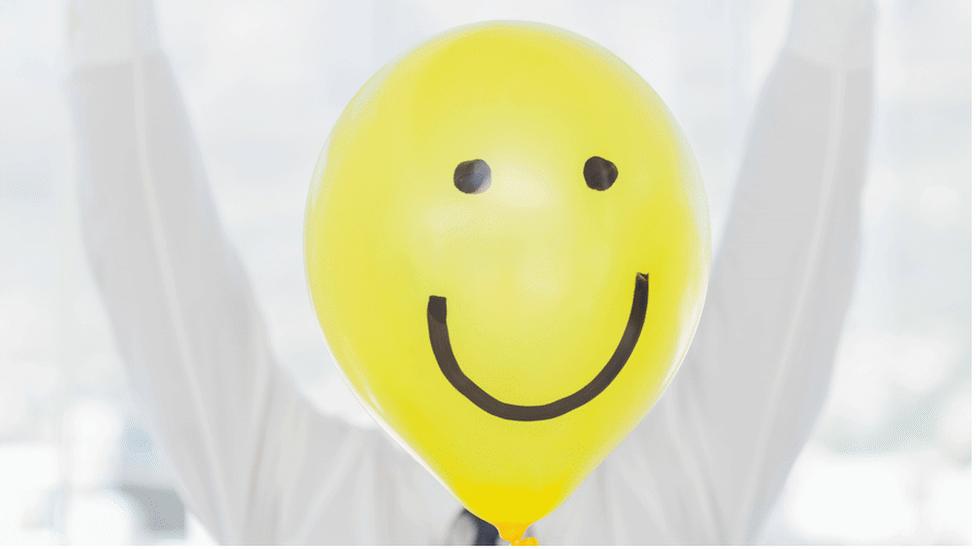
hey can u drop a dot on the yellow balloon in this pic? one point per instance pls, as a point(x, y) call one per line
point(507, 248)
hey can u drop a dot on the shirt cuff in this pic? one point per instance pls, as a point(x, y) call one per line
point(106, 32)
point(833, 33)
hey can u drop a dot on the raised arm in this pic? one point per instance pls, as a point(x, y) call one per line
point(758, 372)
point(709, 460)
point(253, 460)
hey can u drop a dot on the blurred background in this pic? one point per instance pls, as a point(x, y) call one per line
point(890, 460)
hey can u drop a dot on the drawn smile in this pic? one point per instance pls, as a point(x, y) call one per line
point(440, 343)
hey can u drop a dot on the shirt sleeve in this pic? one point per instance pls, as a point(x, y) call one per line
point(254, 461)
point(710, 459)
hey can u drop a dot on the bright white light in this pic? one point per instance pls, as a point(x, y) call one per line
point(102, 517)
point(848, 499)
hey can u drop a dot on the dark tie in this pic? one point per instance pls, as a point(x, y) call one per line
point(485, 534)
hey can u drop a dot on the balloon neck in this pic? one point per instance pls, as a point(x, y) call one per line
point(512, 533)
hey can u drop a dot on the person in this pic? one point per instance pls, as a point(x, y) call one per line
point(256, 463)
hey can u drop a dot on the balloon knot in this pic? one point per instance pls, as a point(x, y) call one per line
point(512, 533)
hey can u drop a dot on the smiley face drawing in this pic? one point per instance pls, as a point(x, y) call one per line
point(507, 248)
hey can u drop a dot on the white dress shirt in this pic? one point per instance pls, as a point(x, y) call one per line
point(256, 463)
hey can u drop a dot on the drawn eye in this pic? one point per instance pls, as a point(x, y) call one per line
point(472, 176)
point(599, 173)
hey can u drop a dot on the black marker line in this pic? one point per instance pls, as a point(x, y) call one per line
point(440, 343)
